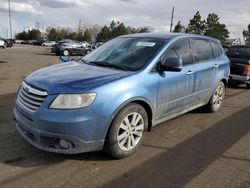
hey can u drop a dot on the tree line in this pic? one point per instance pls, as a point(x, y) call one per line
point(209, 27)
point(90, 34)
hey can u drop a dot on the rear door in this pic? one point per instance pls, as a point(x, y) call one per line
point(205, 69)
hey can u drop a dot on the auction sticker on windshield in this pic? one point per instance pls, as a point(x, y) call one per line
point(146, 44)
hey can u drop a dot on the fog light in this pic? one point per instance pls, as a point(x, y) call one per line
point(65, 144)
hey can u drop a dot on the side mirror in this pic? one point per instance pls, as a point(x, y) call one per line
point(172, 64)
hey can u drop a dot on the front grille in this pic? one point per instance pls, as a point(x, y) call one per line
point(30, 97)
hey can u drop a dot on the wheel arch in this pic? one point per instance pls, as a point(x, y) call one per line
point(225, 82)
point(141, 101)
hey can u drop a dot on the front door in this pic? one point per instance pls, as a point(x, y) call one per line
point(176, 88)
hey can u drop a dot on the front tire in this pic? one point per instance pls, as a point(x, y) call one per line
point(248, 86)
point(217, 98)
point(126, 131)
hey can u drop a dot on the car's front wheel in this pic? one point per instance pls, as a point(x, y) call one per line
point(248, 86)
point(217, 98)
point(126, 131)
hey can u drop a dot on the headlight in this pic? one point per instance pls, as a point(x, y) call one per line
point(72, 101)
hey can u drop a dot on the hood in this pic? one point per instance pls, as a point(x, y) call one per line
point(73, 77)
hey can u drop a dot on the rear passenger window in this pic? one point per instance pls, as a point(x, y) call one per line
point(180, 49)
point(201, 50)
point(216, 48)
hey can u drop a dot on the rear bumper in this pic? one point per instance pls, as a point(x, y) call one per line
point(239, 78)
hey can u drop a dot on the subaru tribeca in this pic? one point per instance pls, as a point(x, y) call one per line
point(109, 98)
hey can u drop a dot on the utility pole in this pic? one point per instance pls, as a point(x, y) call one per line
point(172, 18)
point(79, 26)
point(10, 20)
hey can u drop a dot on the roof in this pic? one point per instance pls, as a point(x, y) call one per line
point(166, 36)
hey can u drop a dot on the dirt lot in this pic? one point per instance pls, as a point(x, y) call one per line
point(198, 149)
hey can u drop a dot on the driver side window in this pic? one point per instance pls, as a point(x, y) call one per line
point(180, 49)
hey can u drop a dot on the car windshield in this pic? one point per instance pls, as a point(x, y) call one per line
point(125, 53)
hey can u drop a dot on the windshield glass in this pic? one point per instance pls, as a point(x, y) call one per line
point(125, 53)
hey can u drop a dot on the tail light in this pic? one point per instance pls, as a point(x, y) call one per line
point(246, 70)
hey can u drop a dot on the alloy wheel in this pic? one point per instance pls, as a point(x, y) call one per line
point(130, 131)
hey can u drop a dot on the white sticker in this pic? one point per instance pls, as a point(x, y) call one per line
point(145, 44)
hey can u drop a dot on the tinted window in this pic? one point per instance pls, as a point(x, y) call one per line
point(216, 48)
point(232, 52)
point(181, 50)
point(201, 50)
point(243, 52)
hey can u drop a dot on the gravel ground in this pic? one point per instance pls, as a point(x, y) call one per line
point(198, 149)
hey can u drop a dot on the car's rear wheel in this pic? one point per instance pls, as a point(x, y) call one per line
point(126, 131)
point(66, 52)
point(248, 86)
point(217, 98)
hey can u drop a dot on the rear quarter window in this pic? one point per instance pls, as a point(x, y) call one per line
point(217, 51)
point(201, 49)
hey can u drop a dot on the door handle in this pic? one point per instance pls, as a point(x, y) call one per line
point(189, 73)
point(216, 65)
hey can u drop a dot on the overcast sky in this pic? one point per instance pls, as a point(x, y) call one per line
point(153, 13)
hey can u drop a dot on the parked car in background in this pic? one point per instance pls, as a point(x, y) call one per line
point(68, 47)
point(239, 64)
point(29, 42)
point(9, 42)
point(2, 44)
point(38, 42)
point(84, 44)
point(18, 41)
point(49, 43)
point(110, 97)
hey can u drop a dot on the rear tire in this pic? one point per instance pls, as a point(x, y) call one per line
point(248, 86)
point(217, 98)
point(126, 131)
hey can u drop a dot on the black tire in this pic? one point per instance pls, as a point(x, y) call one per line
point(248, 86)
point(65, 52)
point(213, 107)
point(111, 143)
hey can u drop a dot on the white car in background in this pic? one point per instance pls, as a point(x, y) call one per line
point(84, 44)
point(49, 43)
point(2, 44)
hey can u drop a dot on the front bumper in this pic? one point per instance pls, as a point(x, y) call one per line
point(46, 134)
point(239, 78)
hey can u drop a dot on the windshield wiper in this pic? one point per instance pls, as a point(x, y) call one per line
point(83, 61)
point(105, 64)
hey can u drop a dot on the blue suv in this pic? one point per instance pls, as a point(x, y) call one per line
point(109, 98)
